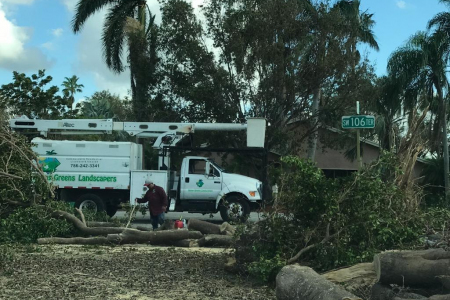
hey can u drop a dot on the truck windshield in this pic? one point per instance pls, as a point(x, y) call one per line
point(217, 166)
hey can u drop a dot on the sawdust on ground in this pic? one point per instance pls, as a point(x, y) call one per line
point(126, 272)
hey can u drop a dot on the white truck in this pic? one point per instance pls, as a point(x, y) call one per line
point(102, 175)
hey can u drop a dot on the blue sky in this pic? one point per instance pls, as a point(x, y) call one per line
point(35, 34)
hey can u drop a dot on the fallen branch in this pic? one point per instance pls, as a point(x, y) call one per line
point(132, 236)
point(310, 247)
point(82, 216)
point(82, 227)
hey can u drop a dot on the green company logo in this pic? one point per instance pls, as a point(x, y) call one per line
point(200, 183)
point(49, 164)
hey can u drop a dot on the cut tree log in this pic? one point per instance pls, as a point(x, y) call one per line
point(98, 240)
point(133, 236)
point(215, 240)
point(354, 278)
point(412, 268)
point(203, 227)
point(227, 229)
point(298, 282)
point(83, 228)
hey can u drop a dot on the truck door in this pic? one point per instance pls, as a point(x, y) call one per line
point(202, 181)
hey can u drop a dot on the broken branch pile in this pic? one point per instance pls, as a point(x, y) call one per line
point(200, 234)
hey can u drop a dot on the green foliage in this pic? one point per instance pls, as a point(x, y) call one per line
point(23, 180)
point(267, 269)
point(363, 214)
point(433, 182)
point(30, 96)
point(71, 87)
point(26, 225)
point(104, 105)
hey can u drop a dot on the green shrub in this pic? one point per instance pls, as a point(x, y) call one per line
point(364, 213)
point(26, 225)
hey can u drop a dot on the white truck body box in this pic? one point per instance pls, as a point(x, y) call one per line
point(88, 164)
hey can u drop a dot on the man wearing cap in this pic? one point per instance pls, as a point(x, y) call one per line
point(157, 202)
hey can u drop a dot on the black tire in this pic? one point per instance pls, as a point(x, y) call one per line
point(90, 201)
point(111, 209)
point(235, 209)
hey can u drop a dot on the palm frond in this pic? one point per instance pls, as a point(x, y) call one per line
point(113, 35)
point(86, 8)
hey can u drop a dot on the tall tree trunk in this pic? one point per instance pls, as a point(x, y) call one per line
point(315, 121)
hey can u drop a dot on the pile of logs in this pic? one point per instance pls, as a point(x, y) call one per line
point(394, 275)
point(198, 234)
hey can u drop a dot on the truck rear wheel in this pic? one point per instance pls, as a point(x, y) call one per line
point(90, 202)
point(235, 209)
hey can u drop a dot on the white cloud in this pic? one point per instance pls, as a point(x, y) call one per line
point(14, 55)
point(401, 4)
point(57, 32)
point(48, 46)
point(70, 4)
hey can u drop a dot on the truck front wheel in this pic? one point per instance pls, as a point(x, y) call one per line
point(90, 202)
point(235, 209)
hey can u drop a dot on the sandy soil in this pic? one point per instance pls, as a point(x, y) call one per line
point(127, 272)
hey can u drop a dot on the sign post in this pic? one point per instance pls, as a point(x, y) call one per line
point(358, 144)
point(358, 122)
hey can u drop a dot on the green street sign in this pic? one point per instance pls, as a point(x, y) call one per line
point(358, 122)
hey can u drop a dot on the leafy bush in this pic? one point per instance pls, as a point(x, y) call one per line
point(26, 225)
point(345, 220)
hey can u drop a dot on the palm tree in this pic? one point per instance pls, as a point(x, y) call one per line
point(357, 29)
point(71, 87)
point(441, 23)
point(420, 67)
point(127, 22)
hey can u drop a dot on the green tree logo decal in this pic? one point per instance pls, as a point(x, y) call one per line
point(49, 164)
point(200, 183)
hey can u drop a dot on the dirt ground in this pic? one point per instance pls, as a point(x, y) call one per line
point(127, 272)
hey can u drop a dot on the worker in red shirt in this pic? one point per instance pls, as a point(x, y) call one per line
point(157, 202)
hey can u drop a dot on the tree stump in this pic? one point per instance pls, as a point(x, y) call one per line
point(297, 282)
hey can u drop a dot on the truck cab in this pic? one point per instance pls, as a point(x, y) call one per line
point(203, 186)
